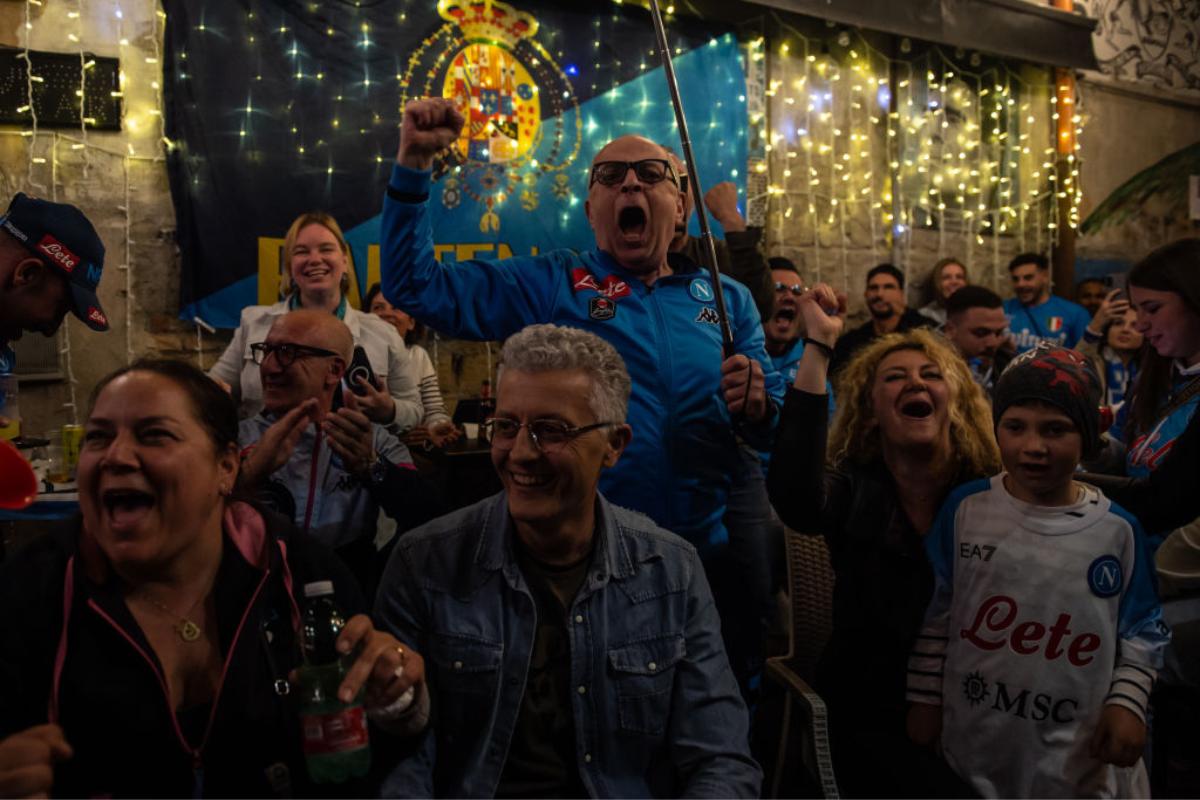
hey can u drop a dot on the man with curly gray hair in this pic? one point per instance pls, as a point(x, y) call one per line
point(543, 348)
point(574, 648)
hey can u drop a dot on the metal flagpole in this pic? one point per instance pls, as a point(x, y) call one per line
point(709, 248)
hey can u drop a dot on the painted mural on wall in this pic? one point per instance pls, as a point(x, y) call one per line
point(1161, 190)
point(1154, 41)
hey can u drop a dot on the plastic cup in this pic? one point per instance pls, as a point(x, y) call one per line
point(58, 470)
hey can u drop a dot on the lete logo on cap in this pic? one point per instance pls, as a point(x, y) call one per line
point(97, 316)
point(58, 252)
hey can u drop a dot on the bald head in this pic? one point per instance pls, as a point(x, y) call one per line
point(316, 329)
point(656, 150)
point(311, 350)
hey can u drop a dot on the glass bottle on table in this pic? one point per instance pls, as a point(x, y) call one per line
point(335, 739)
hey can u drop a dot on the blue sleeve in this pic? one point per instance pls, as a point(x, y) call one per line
point(939, 543)
point(486, 300)
point(1139, 619)
point(748, 339)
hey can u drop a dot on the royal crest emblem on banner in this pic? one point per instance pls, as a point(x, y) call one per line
point(516, 102)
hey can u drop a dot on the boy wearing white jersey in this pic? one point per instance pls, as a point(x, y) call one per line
point(1044, 634)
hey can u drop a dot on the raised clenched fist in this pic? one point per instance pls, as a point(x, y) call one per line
point(721, 200)
point(429, 125)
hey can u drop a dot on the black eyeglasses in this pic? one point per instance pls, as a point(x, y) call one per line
point(796, 288)
point(286, 353)
point(548, 435)
point(648, 170)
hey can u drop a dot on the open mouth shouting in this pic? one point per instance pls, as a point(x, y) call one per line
point(916, 408)
point(783, 322)
point(632, 222)
point(126, 506)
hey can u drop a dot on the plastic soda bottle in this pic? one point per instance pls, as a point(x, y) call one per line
point(335, 739)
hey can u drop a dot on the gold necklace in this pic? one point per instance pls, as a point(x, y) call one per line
point(187, 630)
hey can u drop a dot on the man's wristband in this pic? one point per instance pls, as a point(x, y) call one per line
point(824, 348)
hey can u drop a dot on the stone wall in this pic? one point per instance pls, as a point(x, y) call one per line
point(117, 178)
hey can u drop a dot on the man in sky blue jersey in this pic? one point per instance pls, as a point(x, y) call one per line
point(689, 401)
point(1035, 315)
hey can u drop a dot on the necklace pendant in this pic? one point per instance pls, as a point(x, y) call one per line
point(188, 630)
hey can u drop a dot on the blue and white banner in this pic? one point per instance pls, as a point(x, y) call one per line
point(289, 107)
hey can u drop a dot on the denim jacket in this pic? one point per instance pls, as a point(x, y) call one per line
point(657, 711)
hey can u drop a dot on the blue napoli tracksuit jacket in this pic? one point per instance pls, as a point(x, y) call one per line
point(678, 468)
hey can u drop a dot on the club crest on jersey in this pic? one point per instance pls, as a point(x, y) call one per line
point(1055, 324)
point(701, 290)
point(611, 287)
point(1104, 576)
point(708, 314)
point(601, 308)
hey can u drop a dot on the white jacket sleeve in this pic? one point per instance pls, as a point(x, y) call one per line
point(402, 385)
point(229, 366)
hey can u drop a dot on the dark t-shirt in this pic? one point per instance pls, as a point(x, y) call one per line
point(541, 756)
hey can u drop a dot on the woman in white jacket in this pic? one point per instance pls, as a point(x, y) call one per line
point(318, 259)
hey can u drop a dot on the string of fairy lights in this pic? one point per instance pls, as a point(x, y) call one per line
point(868, 152)
point(44, 148)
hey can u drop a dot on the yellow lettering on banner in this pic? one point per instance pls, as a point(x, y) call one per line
point(372, 266)
point(466, 252)
point(270, 265)
point(270, 255)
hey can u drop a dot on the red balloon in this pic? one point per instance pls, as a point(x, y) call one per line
point(18, 484)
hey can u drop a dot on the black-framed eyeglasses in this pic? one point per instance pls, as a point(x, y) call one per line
point(795, 288)
point(286, 353)
point(548, 435)
point(648, 170)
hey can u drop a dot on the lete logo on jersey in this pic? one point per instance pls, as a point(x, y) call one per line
point(995, 626)
point(611, 287)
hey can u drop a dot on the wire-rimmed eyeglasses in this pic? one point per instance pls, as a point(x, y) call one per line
point(548, 435)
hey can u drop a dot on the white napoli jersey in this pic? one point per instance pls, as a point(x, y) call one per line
point(1041, 617)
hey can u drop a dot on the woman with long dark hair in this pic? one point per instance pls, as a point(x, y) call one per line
point(1164, 287)
point(1161, 426)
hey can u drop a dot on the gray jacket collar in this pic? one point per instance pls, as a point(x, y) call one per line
point(495, 551)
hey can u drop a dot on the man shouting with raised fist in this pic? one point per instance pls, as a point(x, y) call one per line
point(657, 308)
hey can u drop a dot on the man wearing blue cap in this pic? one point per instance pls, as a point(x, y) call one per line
point(50, 263)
